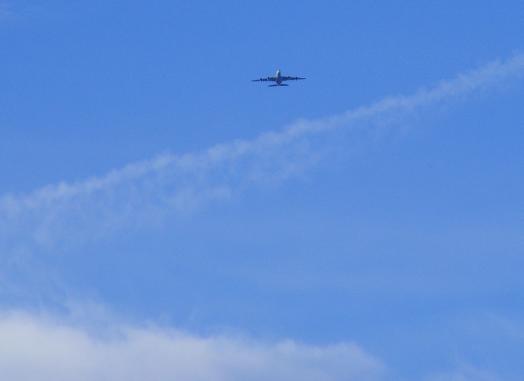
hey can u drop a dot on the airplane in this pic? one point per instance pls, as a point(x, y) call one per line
point(278, 79)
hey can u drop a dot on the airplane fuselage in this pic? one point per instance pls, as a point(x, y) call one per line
point(278, 77)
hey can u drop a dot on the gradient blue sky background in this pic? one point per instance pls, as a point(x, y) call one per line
point(403, 235)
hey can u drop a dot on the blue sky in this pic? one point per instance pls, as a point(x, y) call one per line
point(164, 217)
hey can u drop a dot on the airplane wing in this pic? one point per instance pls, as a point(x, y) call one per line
point(273, 79)
point(286, 78)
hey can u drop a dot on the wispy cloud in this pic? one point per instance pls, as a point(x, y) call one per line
point(33, 347)
point(144, 191)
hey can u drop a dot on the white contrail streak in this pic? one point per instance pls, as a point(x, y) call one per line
point(464, 84)
point(179, 181)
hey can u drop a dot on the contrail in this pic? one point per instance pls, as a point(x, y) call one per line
point(180, 181)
